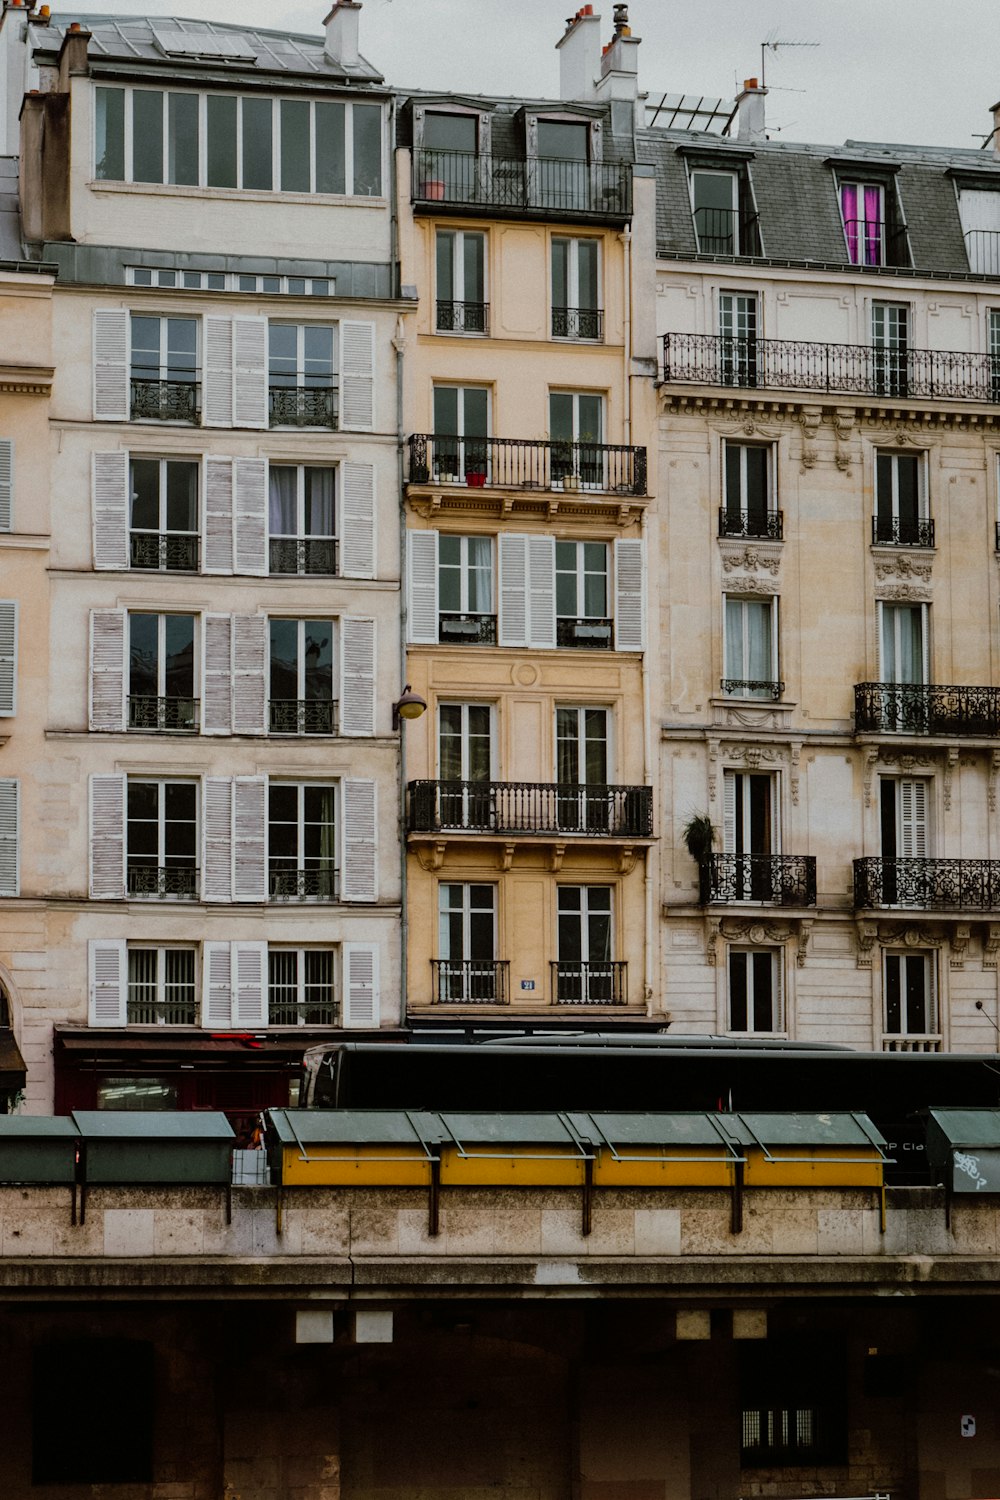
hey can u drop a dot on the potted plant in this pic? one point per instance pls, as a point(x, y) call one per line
point(699, 836)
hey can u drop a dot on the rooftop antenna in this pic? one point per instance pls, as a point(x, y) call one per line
point(772, 44)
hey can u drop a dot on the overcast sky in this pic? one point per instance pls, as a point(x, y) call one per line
point(923, 71)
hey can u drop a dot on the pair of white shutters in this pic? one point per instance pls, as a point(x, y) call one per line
point(6, 484)
point(526, 591)
point(10, 818)
point(234, 371)
point(911, 818)
point(234, 984)
point(233, 839)
point(234, 512)
point(235, 666)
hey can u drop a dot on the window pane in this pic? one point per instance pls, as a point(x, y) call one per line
point(450, 132)
point(142, 677)
point(221, 145)
point(294, 146)
point(179, 656)
point(367, 149)
point(147, 135)
point(480, 556)
point(109, 146)
point(182, 144)
point(283, 484)
point(445, 410)
point(146, 494)
point(587, 274)
point(317, 349)
point(563, 141)
point(738, 991)
point(476, 422)
point(182, 496)
point(908, 482)
point(330, 151)
point(257, 146)
point(561, 416)
point(283, 353)
point(763, 1001)
point(756, 494)
point(892, 997)
point(560, 273)
point(319, 660)
point(182, 348)
point(284, 660)
point(474, 254)
point(446, 267)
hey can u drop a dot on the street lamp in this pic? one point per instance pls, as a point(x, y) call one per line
point(409, 705)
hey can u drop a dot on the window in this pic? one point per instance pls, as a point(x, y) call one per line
point(227, 141)
point(465, 590)
point(232, 281)
point(755, 990)
point(301, 677)
point(862, 205)
point(301, 841)
point(722, 206)
point(890, 344)
point(582, 800)
point(904, 643)
point(465, 764)
point(92, 1406)
point(300, 987)
point(302, 524)
point(461, 425)
point(576, 429)
point(905, 834)
point(161, 838)
point(750, 837)
point(164, 369)
point(161, 672)
point(467, 969)
point(979, 210)
point(445, 131)
point(993, 348)
point(163, 496)
point(136, 1093)
point(582, 611)
point(585, 973)
point(302, 377)
point(751, 648)
point(738, 338)
point(562, 166)
point(448, 167)
point(901, 500)
point(461, 282)
point(748, 507)
point(161, 987)
point(910, 997)
point(576, 302)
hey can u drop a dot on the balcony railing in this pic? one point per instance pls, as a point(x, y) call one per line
point(156, 400)
point(303, 716)
point(771, 879)
point(850, 369)
point(542, 185)
point(896, 532)
point(927, 884)
point(470, 981)
point(620, 812)
point(302, 1012)
point(578, 323)
point(982, 246)
point(303, 406)
point(467, 630)
point(527, 464)
point(302, 885)
point(752, 687)
point(871, 242)
point(178, 715)
point(590, 633)
point(921, 708)
point(162, 1012)
point(304, 555)
point(752, 523)
point(463, 317)
point(726, 231)
point(589, 983)
point(178, 881)
point(927, 1041)
point(164, 551)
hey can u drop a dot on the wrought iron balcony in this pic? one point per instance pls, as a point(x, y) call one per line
point(540, 187)
point(178, 715)
point(303, 716)
point(303, 406)
point(578, 323)
point(589, 633)
point(589, 983)
point(922, 708)
point(927, 884)
point(470, 981)
point(179, 881)
point(527, 464)
point(770, 879)
point(162, 1012)
point(982, 246)
point(164, 551)
point(302, 885)
point(873, 242)
point(302, 1013)
point(462, 317)
point(316, 555)
point(757, 523)
point(156, 400)
point(467, 630)
point(531, 807)
point(726, 231)
point(743, 687)
point(895, 532)
point(849, 369)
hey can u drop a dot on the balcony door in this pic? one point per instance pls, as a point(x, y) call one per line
point(890, 343)
point(750, 648)
point(467, 943)
point(461, 427)
point(750, 833)
point(904, 657)
point(715, 205)
point(576, 428)
point(910, 998)
point(748, 508)
point(461, 281)
point(582, 769)
point(901, 499)
point(738, 338)
point(161, 691)
point(465, 763)
point(903, 810)
point(585, 972)
point(863, 207)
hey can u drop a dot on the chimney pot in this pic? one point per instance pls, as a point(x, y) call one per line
point(341, 24)
point(750, 112)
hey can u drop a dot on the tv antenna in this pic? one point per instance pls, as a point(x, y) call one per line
point(771, 45)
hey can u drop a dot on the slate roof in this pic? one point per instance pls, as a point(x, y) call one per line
point(506, 117)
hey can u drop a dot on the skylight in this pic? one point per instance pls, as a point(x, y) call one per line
point(218, 45)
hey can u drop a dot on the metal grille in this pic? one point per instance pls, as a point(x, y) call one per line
point(165, 401)
point(752, 523)
point(591, 634)
point(178, 1004)
point(523, 463)
point(304, 555)
point(927, 884)
point(589, 983)
point(468, 630)
point(300, 987)
point(470, 981)
point(303, 406)
point(175, 714)
point(303, 716)
point(531, 807)
point(922, 708)
point(592, 189)
point(302, 885)
point(726, 231)
point(771, 879)
point(742, 687)
point(463, 317)
point(577, 323)
point(160, 880)
point(900, 533)
point(164, 551)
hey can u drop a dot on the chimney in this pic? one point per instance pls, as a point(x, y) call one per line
point(996, 130)
point(620, 61)
point(750, 111)
point(579, 50)
point(342, 33)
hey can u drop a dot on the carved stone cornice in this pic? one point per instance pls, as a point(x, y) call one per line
point(888, 416)
point(765, 556)
point(26, 380)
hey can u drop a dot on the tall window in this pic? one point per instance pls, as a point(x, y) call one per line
point(901, 500)
point(161, 672)
point(904, 643)
point(910, 998)
point(576, 306)
point(302, 519)
point(164, 369)
point(576, 427)
point(301, 841)
point(300, 989)
point(563, 176)
point(755, 990)
point(751, 648)
point(750, 836)
point(161, 838)
point(465, 763)
point(302, 375)
point(890, 345)
point(748, 495)
point(715, 205)
point(164, 514)
point(582, 768)
point(467, 968)
point(863, 207)
point(993, 339)
point(583, 616)
point(465, 590)
point(461, 425)
point(161, 987)
point(461, 282)
point(585, 973)
point(301, 677)
point(738, 338)
point(904, 805)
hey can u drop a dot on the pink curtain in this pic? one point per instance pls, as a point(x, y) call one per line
point(849, 207)
point(873, 227)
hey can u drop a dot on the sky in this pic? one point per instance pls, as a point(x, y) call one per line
point(918, 71)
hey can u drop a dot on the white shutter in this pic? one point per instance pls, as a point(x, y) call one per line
point(107, 838)
point(360, 882)
point(217, 523)
point(217, 839)
point(250, 486)
point(912, 819)
point(422, 580)
point(250, 660)
point(249, 968)
point(6, 484)
point(357, 379)
point(111, 373)
point(729, 811)
point(217, 373)
point(357, 529)
point(513, 589)
point(110, 497)
point(217, 675)
point(630, 613)
point(361, 994)
point(8, 658)
point(357, 676)
point(107, 669)
point(10, 816)
point(542, 591)
point(249, 372)
point(217, 986)
point(250, 838)
point(108, 971)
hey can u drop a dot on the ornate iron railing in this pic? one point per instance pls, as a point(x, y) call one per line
point(771, 879)
point(726, 231)
point(165, 400)
point(589, 983)
point(922, 708)
point(162, 1012)
point(746, 687)
point(762, 524)
point(309, 554)
point(470, 981)
point(587, 633)
point(303, 406)
point(164, 551)
point(982, 246)
point(893, 531)
point(927, 884)
point(527, 464)
point(160, 880)
point(873, 242)
point(540, 184)
point(851, 369)
point(927, 1041)
point(302, 1012)
point(531, 807)
point(303, 716)
point(578, 323)
point(175, 714)
point(463, 317)
point(467, 630)
point(302, 885)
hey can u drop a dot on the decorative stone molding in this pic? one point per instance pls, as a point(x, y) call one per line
point(959, 942)
point(755, 931)
point(805, 933)
point(795, 753)
point(991, 781)
point(906, 760)
point(810, 418)
point(950, 762)
point(768, 559)
point(843, 427)
point(728, 715)
point(871, 761)
point(711, 939)
point(744, 585)
point(867, 936)
point(991, 945)
point(713, 769)
point(919, 593)
point(751, 756)
point(899, 566)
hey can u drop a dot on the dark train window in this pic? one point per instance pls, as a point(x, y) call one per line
point(92, 1412)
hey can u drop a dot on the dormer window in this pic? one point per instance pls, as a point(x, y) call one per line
point(450, 132)
point(979, 209)
point(863, 207)
point(725, 221)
